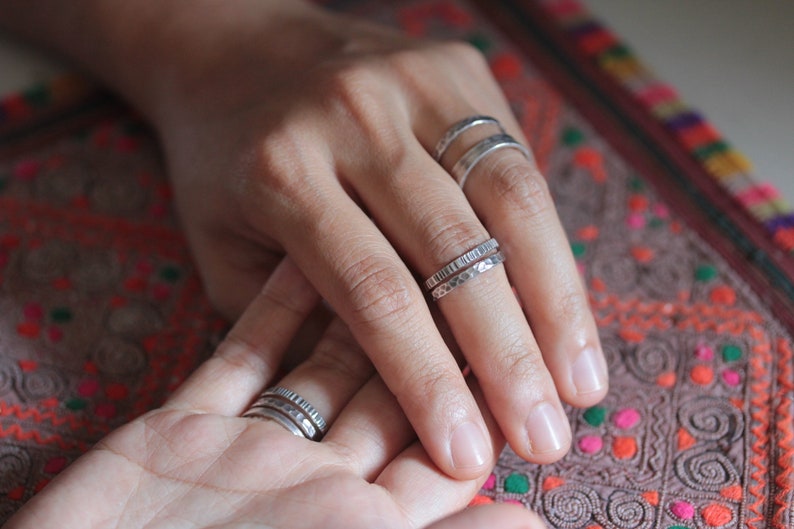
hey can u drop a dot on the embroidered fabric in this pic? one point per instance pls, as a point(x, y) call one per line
point(102, 315)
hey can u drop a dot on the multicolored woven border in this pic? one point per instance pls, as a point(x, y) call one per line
point(702, 140)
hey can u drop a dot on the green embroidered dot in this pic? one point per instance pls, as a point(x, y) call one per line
point(479, 41)
point(517, 483)
point(655, 223)
point(76, 404)
point(677, 527)
point(635, 184)
point(595, 416)
point(578, 249)
point(38, 96)
point(731, 353)
point(705, 272)
point(170, 273)
point(616, 52)
point(61, 315)
point(572, 137)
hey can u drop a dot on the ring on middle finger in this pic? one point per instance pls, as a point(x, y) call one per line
point(464, 268)
point(460, 171)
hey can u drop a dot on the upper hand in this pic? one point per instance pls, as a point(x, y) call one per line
point(313, 139)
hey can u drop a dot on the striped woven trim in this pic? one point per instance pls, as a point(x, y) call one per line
point(696, 134)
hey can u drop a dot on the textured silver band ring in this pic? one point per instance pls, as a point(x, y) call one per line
point(291, 411)
point(302, 403)
point(452, 267)
point(460, 171)
point(480, 267)
point(459, 128)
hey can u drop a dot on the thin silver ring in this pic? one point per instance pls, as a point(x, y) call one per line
point(480, 267)
point(276, 416)
point(460, 171)
point(459, 128)
point(287, 410)
point(291, 411)
point(452, 267)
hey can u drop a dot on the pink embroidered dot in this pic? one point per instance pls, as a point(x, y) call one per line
point(731, 377)
point(27, 169)
point(626, 418)
point(88, 387)
point(33, 312)
point(682, 510)
point(661, 211)
point(591, 444)
point(490, 483)
point(635, 221)
point(704, 352)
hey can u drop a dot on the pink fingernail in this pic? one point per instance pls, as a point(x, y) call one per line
point(469, 446)
point(588, 372)
point(547, 428)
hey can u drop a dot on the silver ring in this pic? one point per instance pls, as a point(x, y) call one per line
point(460, 171)
point(291, 411)
point(469, 257)
point(480, 267)
point(459, 128)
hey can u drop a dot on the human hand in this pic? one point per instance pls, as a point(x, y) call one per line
point(196, 463)
point(309, 134)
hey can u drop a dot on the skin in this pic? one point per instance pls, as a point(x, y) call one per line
point(196, 463)
point(291, 131)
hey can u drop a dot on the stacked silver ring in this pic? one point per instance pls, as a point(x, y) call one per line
point(462, 269)
point(291, 411)
point(461, 169)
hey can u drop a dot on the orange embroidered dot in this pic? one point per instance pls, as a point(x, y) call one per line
point(702, 375)
point(624, 447)
point(716, 515)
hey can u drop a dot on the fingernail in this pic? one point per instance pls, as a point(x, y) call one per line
point(547, 429)
point(588, 372)
point(469, 447)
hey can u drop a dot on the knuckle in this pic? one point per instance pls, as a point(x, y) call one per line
point(518, 362)
point(339, 354)
point(451, 235)
point(239, 353)
point(462, 51)
point(569, 307)
point(520, 188)
point(378, 294)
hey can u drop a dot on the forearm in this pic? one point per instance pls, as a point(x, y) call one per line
point(144, 49)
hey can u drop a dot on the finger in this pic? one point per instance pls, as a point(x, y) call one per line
point(511, 197)
point(513, 202)
point(428, 219)
point(424, 493)
point(332, 374)
point(252, 351)
point(371, 431)
point(536, 247)
point(502, 515)
point(358, 271)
